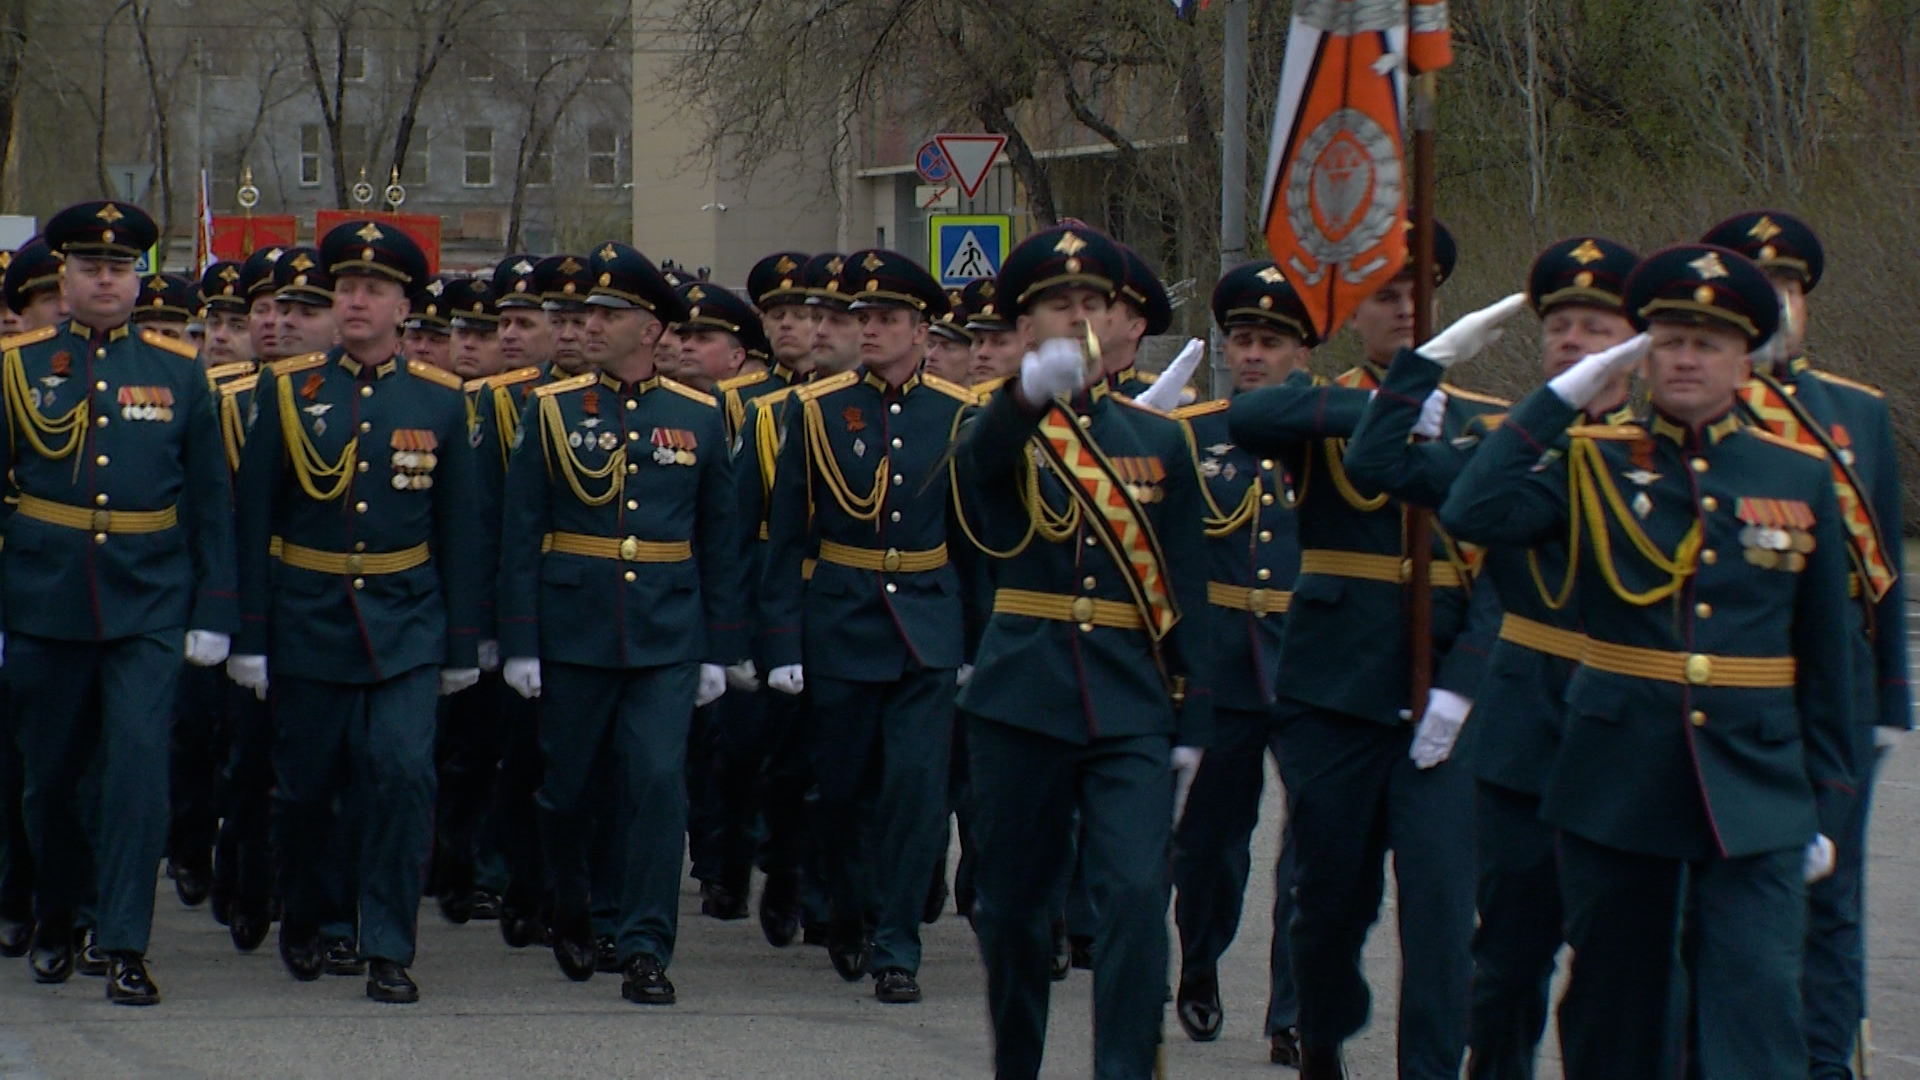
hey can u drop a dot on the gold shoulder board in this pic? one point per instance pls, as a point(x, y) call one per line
point(822, 387)
point(578, 382)
point(515, 376)
point(1204, 408)
point(424, 370)
point(1474, 395)
point(1768, 436)
point(686, 391)
point(739, 381)
point(222, 372)
point(177, 348)
point(951, 389)
point(1839, 380)
point(294, 364)
point(1608, 432)
point(17, 341)
point(983, 391)
point(238, 386)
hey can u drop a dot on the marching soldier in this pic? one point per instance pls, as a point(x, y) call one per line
point(1849, 420)
point(1091, 688)
point(361, 594)
point(875, 634)
point(1354, 791)
point(1708, 750)
point(167, 303)
point(526, 333)
point(1576, 287)
point(32, 286)
point(997, 347)
point(257, 287)
point(777, 285)
point(1141, 309)
point(950, 343)
point(429, 333)
point(302, 304)
point(223, 312)
point(119, 563)
point(564, 282)
point(1254, 555)
point(722, 333)
point(474, 324)
point(620, 505)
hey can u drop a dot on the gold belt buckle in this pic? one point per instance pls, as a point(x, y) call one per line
point(102, 521)
point(890, 562)
point(1406, 571)
point(1257, 602)
point(629, 549)
point(1083, 609)
point(1699, 669)
point(354, 563)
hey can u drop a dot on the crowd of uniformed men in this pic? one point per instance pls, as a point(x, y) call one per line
point(335, 584)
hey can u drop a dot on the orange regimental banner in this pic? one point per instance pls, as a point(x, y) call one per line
point(1336, 190)
point(236, 236)
point(424, 228)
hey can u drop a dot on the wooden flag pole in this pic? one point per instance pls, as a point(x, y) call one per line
point(1419, 531)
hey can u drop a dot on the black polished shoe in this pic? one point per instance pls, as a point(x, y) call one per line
point(723, 903)
point(813, 934)
point(341, 958)
point(1081, 949)
point(51, 954)
point(573, 949)
point(1318, 1063)
point(220, 896)
point(456, 906)
point(780, 908)
point(128, 982)
point(1284, 1048)
point(485, 906)
point(645, 982)
point(248, 929)
point(387, 983)
point(1062, 965)
point(302, 954)
point(606, 959)
point(517, 930)
point(15, 937)
point(895, 986)
point(88, 960)
point(937, 894)
point(850, 949)
point(189, 884)
point(1197, 1004)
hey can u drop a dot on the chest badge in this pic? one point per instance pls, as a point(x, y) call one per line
point(414, 458)
point(852, 418)
point(1642, 505)
point(319, 413)
point(859, 447)
point(146, 403)
point(1643, 477)
point(673, 446)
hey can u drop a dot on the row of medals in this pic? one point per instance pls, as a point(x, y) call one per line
point(412, 470)
point(1776, 549)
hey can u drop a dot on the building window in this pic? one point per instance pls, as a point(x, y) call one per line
point(477, 67)
point(539, 53)
point(603, 156)
point(603, 66)
point(313, 142)
point(413, 171)
point(354, 63)
point(540, 167)
point(479, 151)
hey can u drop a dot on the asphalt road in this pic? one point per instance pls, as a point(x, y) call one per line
point(745, 1010)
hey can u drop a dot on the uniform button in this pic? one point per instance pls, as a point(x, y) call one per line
point(1709, 556)
point(897, 444)
point(1266, 463)
point(359, 545)
point(1709, 504)
point(1263, 573)
point(895, 516)
point(1266, 536)
point(633, 436)
point(365, 427)
point(632, 404)
point(633, 504)
point(631, 469)
point(1091, 541)
point(363, 466)
point(894, 408)
point(1698, 718)
point(631, 576)
point(891, 587)
point(1087, 582)
point(101, 385)
point(1703, 610)
point(100, 353)
point(102, 461)
point(359, 583)
point(898, 479)
point(1699, 464)
point(366, 391)
point(1086, 628)
point(99, 421)
point(1266, 500)
point(359, 508)
point(1085, 421)
point(100, 499)
point(99, 538)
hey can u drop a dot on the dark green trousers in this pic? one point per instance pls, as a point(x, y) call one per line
point(244, 851)
point(637, 720)
point(1212, 860)
point(1834, 984)
point(16, 852)
point(880, 758)
point(1353, 796)
point(1026, 789)
point(356, 760)
point(199, 748)
point(1518, 937)
point(1627, 1010)
point(56, 685)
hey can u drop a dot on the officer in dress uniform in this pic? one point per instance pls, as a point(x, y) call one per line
point(360, 594)
point(1708, 753)
point(778, 288)
point(32, 286)
point(950, 344)
point(1091, 688)
point(223, 313)
point(720, 337)
point(1254, 555)
point(997, 347)
point(1576, 287)
point(167, 303)
point(428, 332)
point(1849, 420)
point(107, 583)
point(876, 633)
point(1142, 309)
point(302, 303)
point(1353, 790)
point(621, 506)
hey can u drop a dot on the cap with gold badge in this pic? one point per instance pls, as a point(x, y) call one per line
point(428, 309)
point(981, 299)
point(778, 279)
point(470, 304)
point(624, 278)
point(822, 278)
point(167, 298)
point(370, 249)
point(1587, 271)
point(953, 325)
point(35, 267)
point(512, 283)
point(715, 307)
point(221, 290)
point(1698, 283)
point(117, 231)
point(298, 278)
point(1065, 256)
point(880, 278)
point(1142, 290)
point(1257, 294)
point(1779, 242)
point(256, 273)
point(563, 282)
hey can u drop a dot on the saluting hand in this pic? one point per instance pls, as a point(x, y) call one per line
point(1471, 334)
point(1581, 383)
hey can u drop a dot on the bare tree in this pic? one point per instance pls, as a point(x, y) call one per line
point(556, 86)
point(434, 25)
point(327, 31)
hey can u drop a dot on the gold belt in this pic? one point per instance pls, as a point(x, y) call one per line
point(1391, 569)
point(358, 563)
point(1261, 602)
point(891, 561)
point(1541, 638)
point(627, 550)
point(1085, 610)
point(1690, 669)
point(98, 521)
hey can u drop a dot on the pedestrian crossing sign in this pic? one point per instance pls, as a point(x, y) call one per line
point(968, 246)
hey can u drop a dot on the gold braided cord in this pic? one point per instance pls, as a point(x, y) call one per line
point(305, 457)
point(1219, 525)
point(614, 472)
point(858, 507)
point(1598, 483)
point(1336, 451)
point(1557, 600)
point(233, 430)
point(72, 425)
point(507, 419)
point(766, 446)
point(960, 510)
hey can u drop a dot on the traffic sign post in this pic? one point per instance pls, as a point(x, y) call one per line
point(963, 247)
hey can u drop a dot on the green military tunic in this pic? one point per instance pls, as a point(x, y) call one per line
point(739, 392)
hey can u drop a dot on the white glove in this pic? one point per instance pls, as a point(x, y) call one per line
point(250, 672)
point(523, 674)
point(1433, 413)
point(1164, 394)
point(1439, 729)
point(713, 683)
point(1055, 369)
point(1819, 861)
point(964, 675)
point(1186, 766)
point(1581, 383)
point(205, 648)
point(1471, 334)
point(455, 679)
point(788, 678)
point(1886, 738)
point(743, 677)
point(489, 656)
point(1772, 352)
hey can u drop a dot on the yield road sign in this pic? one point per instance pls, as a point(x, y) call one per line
point(971, 157)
